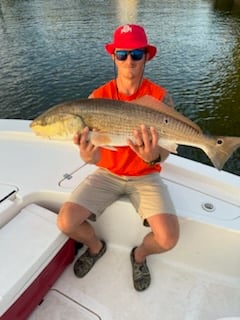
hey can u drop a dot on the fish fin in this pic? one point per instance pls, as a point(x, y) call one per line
point(109, 148)
point(155, 104)
point(107, 140)
point(170, 146)
point(222, 151)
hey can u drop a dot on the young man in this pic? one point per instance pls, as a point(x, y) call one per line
point(131, 168)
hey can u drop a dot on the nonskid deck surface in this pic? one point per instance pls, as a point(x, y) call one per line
point(176, 293)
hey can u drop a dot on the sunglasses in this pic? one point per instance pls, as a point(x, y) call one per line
point(135, 54)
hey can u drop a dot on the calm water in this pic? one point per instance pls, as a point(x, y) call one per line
point(52, 51)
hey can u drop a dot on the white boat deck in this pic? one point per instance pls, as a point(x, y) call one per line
point(199, 279)
point(177, 292)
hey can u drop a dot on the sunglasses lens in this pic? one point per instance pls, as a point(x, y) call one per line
point(136, 54)
point(121, 55)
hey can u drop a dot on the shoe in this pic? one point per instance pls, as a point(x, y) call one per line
point(86, 261)
point(141, 274)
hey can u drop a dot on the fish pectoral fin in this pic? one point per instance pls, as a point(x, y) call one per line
point(168, 145)
point(107, 140)
point(109, 148)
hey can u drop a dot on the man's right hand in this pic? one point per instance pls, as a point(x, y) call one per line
point(88, 152)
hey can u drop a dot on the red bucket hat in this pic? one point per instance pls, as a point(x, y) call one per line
point(131, 36)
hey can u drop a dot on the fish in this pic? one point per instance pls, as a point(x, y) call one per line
point(112, 123)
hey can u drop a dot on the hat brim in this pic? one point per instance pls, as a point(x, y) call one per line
point(152, 50)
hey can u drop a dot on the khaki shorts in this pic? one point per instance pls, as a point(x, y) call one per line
point(148, 194)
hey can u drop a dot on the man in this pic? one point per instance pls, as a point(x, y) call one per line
point(130, 168)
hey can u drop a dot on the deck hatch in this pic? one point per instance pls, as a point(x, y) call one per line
point(60, 306)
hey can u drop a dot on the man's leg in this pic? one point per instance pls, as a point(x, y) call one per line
point(164, 236)
point(72, 221)
point(150, 195)
point(93, 195)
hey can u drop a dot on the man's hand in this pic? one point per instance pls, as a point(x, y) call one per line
point(146, 146)
point(88, 152)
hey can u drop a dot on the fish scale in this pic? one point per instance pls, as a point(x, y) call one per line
point(104, 117)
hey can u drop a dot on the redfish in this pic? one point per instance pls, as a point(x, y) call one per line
point(115, 122)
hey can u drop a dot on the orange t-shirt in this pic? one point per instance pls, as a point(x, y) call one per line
point(124, 161)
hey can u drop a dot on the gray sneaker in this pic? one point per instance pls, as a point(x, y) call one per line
point(86, 261)
point(141, 274)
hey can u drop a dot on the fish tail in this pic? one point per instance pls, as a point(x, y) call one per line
point(222, 150)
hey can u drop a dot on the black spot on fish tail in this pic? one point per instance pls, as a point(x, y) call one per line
point(222, 151)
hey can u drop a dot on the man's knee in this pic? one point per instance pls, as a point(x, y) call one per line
point(167, 241)
point(166, 231)
point(62, 218)
point(70, 216)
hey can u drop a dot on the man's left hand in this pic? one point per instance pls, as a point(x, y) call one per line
point(146, 143)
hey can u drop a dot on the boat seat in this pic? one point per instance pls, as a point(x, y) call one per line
point(33, 253)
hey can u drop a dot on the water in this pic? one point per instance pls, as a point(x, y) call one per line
point(52, 51)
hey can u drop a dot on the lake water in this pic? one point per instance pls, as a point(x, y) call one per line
point(53, 50)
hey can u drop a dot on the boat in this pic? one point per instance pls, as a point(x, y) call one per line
point(197, 280)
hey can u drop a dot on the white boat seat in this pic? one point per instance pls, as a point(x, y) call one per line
point(28, 243)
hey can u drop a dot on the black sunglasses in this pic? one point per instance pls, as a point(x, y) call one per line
point(135, 54)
